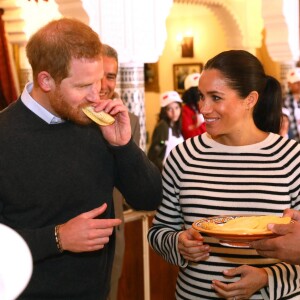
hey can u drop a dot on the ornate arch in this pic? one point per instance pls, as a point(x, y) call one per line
point(237, 19)
point(282, 26)
point(15, 21)
point(279, 17)
point(227, 18)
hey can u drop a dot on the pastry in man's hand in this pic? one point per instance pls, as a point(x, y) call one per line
point(101, 118)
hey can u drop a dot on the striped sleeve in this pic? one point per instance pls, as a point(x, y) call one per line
point(283, 281)
point(167, 225)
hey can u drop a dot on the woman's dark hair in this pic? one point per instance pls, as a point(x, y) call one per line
point(176, 127)
point(244, 73)
point(191, 98)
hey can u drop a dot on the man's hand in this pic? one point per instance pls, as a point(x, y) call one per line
point(85, 233)
point(119, 133)
point(294, 214)
point(286, 246)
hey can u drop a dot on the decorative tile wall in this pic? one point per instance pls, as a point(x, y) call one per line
point(133, 94)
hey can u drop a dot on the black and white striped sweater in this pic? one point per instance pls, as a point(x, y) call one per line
point(203, 178)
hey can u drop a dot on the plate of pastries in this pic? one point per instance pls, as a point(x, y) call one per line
point(238, 230)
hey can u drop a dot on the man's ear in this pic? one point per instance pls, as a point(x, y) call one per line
point(45, 81)
point(251, 99)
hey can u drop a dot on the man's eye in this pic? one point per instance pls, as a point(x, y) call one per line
point(84, 86)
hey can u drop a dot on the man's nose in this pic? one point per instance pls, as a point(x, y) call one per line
point(103, 83)
point(94, 93)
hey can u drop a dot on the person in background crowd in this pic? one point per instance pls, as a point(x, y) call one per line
point(285, 123)
point(192, 120)
point(58, 168)
point(167, 133)
point(286, 245)
point(241, 165)
point(292, 103)
point(108, 86)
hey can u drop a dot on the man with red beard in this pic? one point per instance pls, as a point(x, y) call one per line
point(58, 168)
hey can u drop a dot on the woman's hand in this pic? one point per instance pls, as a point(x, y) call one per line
point(191, 247)
point(252, 280)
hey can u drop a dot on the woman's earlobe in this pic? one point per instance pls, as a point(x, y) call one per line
point(252, 99)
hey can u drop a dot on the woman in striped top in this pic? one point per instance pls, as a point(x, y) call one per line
point(239, 166)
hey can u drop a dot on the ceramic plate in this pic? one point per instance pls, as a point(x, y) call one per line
point(230, 239)
point(15, 264)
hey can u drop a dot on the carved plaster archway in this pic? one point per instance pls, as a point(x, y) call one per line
point(279, 17)
point(282, 26)
point(15, 22)
point(234, 18)
point(282, 31)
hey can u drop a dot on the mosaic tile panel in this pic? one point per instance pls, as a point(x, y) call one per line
point(133, 94)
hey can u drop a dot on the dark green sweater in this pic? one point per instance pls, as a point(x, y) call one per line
point(52, 173)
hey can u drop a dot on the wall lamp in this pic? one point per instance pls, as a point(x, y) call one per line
point(187, 44)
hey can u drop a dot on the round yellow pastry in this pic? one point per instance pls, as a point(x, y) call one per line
point(252, 224)
point(101, 118)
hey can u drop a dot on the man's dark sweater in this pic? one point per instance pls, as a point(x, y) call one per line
point(52, 173)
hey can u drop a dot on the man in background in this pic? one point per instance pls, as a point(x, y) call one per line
point(108, 85)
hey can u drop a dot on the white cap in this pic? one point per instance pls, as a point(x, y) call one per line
point(293, 75)
point(169, 97)
point(191, 80)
